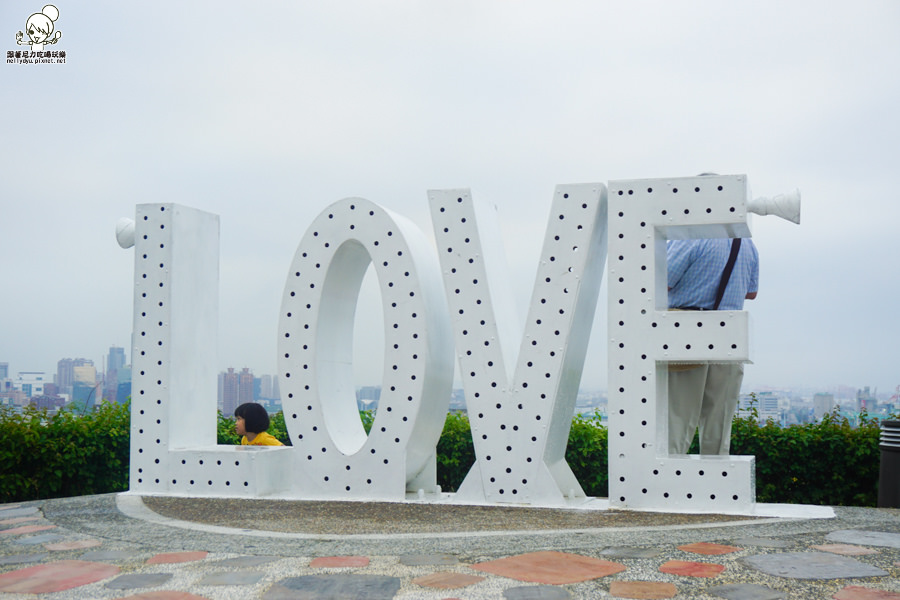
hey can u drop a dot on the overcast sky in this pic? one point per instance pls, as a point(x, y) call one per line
point(266, 112)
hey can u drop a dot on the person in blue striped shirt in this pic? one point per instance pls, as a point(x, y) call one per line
point(705, 396)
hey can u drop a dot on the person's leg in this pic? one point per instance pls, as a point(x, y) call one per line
point(720, 400)
point(685, 397)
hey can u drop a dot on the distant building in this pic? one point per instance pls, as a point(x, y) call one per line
point(268, 387)
point(767, 405)
point(85, 396)
point(114, 362)
point(30, 383)
point(865, 400)
point(5, 382)
point(116, 359)
point(13, 397)
point(265, 386)
point(457, 400)
point(367, 397)
point(65, 372)
point(123, 392)
point(369, 392)
point(86, 374)
point(823, 404)
point(769, 408)
point(123, 385)
point(268, 393)
point(229, 387)
point(236, 389)
point(50, 403)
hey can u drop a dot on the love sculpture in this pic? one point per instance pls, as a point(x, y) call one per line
point(520, 382)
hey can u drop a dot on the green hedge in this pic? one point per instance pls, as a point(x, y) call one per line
point(827, 463)
point(586, 453)
point(67, 454)
point(455, 452)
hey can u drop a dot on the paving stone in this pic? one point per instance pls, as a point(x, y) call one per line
point(631, 552)
point(422, 560)
point(72, 545)
point(55, 577)
point(811, 565)
point(708, 549)
point(23, 511)
point(38, 539)
point(689, 568)
point(232, 578)
point(643, 590)
point(855, 592)
point(244, 562)
point(18, 559)
point(447, 580)
point(26, 529)
point(176, 557)
point(339, 561)
point(554, 568)
point(138, 580)
point(339, 586)
point(845, 549)
point(745, 591)
point(104, 555)
point(536, 592)
point(164, 595)
point(865, 538)
point(764, 542)
point(20, 520)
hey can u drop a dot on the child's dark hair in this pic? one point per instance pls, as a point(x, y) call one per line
point(256, 419)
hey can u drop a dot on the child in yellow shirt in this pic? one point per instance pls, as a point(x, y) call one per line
point(251, 422)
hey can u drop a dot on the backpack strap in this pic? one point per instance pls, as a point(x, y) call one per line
point(726, 274)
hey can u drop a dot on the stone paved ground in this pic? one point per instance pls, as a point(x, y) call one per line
point(106, 547)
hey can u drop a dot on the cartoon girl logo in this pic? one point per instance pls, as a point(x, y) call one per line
point(40, 29)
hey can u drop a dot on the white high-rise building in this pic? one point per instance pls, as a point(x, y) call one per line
point(767, 405)
point(31, 383)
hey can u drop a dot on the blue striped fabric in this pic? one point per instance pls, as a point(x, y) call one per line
point(695, 269)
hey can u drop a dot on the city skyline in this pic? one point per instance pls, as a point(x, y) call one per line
point(846, 391)
point(78, 383)
point(387, 101)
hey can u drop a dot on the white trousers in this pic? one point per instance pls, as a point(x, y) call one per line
point(705, 397)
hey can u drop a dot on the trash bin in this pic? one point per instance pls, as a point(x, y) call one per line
point(889, 475)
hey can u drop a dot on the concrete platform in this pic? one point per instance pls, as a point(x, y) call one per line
point(126, 546)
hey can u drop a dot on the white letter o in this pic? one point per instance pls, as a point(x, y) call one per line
point(315, 352)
